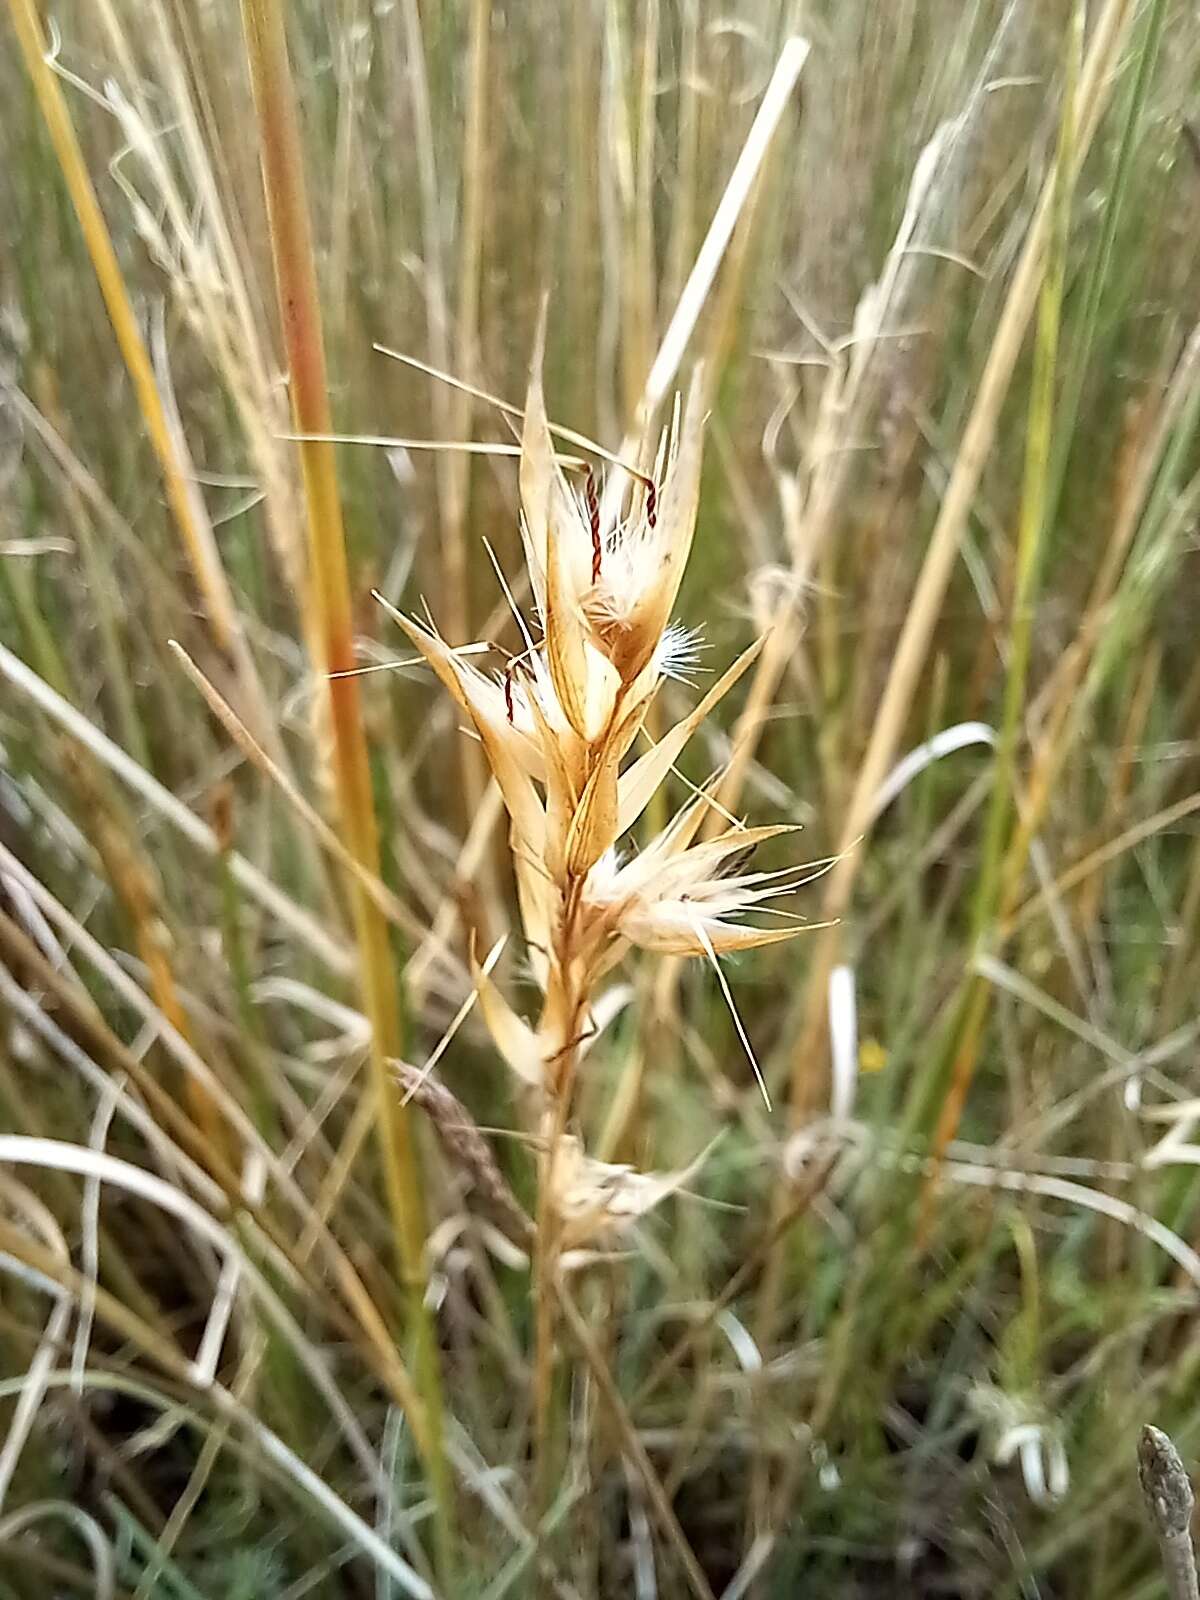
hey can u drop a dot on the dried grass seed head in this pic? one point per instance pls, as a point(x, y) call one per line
point(558, 725)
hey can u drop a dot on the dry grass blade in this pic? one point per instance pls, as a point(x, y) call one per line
point(673, 345)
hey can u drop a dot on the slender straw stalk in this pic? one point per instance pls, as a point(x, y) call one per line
point(725, 218)
point(295, 272)
point(474, 168)
point(570, 1001)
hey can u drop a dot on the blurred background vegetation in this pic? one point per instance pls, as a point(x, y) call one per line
point(935, 1290)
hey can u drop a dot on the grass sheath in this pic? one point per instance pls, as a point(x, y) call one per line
point(300, 317)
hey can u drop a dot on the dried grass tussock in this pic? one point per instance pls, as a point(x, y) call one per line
point(599, 799)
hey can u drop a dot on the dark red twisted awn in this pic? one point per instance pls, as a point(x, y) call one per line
point(593, 510)
point(651, 502)
point(508, 698)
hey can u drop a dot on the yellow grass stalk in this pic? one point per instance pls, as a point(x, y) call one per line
point(695, 293)
point(638, 275)
point(638, 282)
point(687, 155)
point(470, 259)
point(456, 586)
point(195, 532)
point(295, 272)
point(733, 201)
point(437, 313)
point(579, 114)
